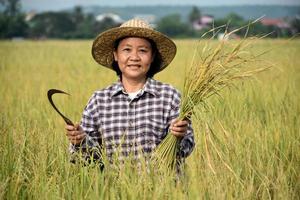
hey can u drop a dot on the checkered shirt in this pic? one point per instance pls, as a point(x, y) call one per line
point(131, 126)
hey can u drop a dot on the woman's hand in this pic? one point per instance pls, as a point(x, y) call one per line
point(75, 133)
point(179, 128)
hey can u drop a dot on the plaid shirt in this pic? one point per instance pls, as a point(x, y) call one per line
point(131, 126)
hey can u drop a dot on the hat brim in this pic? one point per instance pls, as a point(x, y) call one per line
point(103, 45)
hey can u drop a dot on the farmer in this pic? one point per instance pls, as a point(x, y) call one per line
point(133, 115)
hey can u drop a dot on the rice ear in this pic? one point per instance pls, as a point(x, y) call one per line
point(217, 69)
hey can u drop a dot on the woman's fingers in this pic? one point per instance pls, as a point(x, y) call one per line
point(69, 128)
point(179, 127)
point(75, 133)
point(76, 138)
point(178, 134)
point(73, 128)
point(180, 123)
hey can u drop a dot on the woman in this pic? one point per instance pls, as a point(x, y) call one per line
point(133, 115)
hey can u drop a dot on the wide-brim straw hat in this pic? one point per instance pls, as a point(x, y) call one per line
point(103, 46)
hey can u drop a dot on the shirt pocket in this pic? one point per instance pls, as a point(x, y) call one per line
point(157, 128)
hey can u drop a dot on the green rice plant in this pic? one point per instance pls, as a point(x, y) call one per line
point(250, 149)
point(213, 68)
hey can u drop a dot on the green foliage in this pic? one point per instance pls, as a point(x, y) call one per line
point(172, 26)
point(11, 7)
point(296, 25)
point(67, 25)
point(232, 21)
point(50, 24)
point(195, 14)
point(84, 28)
point(106, 24)
point(77, 24)
point(12, 23)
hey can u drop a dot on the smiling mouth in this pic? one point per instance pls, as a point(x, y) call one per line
point(134, 66)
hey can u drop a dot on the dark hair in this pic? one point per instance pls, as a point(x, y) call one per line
point(155, 65)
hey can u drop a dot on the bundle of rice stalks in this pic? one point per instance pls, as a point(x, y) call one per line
point(215, 69)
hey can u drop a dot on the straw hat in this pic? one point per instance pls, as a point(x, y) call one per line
point(103, 46)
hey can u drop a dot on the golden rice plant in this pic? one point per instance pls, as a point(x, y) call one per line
point(213, 68)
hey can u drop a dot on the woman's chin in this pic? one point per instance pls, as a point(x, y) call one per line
point(134, 75)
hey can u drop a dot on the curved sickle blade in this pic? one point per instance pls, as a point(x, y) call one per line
point(50, 93)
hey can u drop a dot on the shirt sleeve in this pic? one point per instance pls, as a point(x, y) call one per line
point(187, 143)
point(90, 147)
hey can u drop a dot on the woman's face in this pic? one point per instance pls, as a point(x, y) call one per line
point(134, 56)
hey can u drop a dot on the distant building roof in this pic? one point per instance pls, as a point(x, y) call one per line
point(204, 21)
point(116, 18)
point(274, 22)
point(148, 18)
point(30, 15)
point(207, 19)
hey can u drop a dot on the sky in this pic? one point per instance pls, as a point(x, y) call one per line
point(43, 5)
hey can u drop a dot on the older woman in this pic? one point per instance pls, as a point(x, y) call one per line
point(135, 114)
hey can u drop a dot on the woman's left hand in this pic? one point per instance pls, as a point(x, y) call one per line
point(179, 128)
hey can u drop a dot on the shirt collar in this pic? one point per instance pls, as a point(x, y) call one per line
point(148, 87)
point(117, 88)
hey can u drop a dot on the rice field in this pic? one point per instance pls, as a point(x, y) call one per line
point(247, 144)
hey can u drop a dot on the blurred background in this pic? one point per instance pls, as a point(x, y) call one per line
point(79, 19)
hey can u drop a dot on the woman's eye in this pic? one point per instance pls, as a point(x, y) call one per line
point(126, 49)
point(143, 50)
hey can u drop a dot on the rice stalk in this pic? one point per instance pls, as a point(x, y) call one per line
point(212, 69)
point(207, 151)
point(208, 133)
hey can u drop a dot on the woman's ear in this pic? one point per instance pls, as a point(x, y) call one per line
point(115, 56)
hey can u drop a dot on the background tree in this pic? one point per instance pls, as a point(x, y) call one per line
point(231, 21)
point(295, 23)
point(105, 24)
point(85, 29)
point(11, 7)
point(172, 26)
point(194, 15)
point(83, 24)
point(12, 23)
point(77, 15)
point(53, 25)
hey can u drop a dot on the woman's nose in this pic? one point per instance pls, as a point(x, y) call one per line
point(134, 55)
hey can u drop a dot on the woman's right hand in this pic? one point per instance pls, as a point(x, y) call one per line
point(75, 133)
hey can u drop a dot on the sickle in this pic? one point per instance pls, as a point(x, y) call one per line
point(50, 93)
